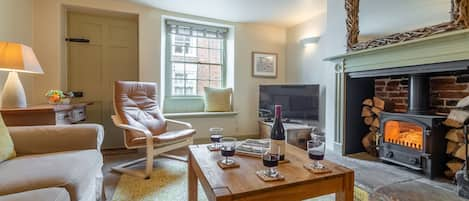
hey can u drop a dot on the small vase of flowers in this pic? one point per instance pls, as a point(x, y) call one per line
point(55, 96)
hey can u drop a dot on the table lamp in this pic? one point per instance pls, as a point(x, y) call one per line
point(15, 57)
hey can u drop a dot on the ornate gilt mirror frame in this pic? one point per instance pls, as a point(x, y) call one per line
point(459, 20)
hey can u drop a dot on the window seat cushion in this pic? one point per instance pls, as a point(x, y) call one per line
point(198, 114)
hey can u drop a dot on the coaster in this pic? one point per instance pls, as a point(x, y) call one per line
point(283, 161)
point(213, 148)
point(224, 166)
point(317, 171)
point(265, 178)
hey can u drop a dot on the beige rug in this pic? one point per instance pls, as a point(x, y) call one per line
point(168, 183)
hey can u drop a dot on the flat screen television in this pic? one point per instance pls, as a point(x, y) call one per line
point(299, 102)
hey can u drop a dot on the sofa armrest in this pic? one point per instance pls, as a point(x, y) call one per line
point(56, 138)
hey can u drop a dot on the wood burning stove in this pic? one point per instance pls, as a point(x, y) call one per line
point(414, 139)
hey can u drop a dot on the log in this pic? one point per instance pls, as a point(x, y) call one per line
point(376, 111)
point(452, 123)
point(455, 165)
point(460, 153)
point(366, 111)
point(369, 143)
point(373, 129)
point(378, 102)
point(455, 135)
point(456, 118)
point(368, 120)
point(375, 123)
point(463, 103)
point(449, 174)
point(451, 147)
point(368, 102)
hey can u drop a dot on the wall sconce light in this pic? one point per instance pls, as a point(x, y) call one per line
point(309, 41)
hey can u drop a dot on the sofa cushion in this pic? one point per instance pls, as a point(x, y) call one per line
point(44, 194)
point(73, 170)
point(7, 150)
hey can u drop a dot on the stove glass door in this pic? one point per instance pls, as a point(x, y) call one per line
point(404, 133)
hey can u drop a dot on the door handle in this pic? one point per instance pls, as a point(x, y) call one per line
point(77, 40)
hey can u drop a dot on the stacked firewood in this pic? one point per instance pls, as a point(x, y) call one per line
point(455, 147)
point(371, 111)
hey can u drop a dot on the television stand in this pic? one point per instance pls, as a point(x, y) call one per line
point(296, 134)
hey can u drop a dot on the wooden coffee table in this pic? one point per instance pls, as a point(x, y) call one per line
point(243, 184)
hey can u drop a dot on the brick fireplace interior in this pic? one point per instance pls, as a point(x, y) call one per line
point(445, 91)
point(446, 88)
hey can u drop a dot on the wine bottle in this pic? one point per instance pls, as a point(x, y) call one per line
point(277, 134)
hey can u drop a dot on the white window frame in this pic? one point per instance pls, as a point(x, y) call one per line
point(170, 50)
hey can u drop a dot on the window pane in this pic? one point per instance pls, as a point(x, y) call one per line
point(184, 30)
point(215, 84)
point(215, 56)
point(200, 86)
point(178, 87)
point(191, 71)
point(203, 55)
point(211, 35)
point(191, 86)
point(191, 54)
point(204, 72)
point(197, 33)
point(215, 43)
point(202, 42)
point(178, 71)
point(215, 72)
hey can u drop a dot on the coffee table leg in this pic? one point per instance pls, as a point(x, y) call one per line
point(192, 183)
point(347, 192)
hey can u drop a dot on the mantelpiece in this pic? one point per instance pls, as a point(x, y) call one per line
point(445, 47)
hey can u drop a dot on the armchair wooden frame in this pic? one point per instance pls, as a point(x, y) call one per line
point(152, 149)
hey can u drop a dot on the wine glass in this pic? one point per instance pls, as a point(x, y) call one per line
point(228, 147)
point(316, 148)
point(270, 158)
point(215, 137)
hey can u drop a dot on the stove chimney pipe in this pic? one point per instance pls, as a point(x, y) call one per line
point(418, 92)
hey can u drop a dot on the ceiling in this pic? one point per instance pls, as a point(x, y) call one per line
point(283, 13)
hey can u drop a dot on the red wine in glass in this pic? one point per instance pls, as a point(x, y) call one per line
point(270, 160)
point(227, 151)
point(216, 138)
point(316, 155)
point(316, 148)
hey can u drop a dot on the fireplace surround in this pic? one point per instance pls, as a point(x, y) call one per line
point(358, 72)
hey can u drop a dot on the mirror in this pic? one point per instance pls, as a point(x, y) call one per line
point(378, 18)
point(375, 23)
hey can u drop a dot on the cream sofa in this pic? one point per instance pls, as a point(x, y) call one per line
point(54, 163)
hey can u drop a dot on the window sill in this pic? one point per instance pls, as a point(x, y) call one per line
point(199, 114)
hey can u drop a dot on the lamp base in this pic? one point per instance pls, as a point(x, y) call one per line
point(13, 95)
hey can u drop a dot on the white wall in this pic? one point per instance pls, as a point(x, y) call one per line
point(49, 43)
point(16, 26)
point(306, 65)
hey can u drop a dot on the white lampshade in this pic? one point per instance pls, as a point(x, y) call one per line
point(15, 57)
point(19, 58)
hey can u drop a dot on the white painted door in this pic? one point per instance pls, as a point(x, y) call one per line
point(111, 54)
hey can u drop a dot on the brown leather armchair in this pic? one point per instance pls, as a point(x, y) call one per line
point(138, 113)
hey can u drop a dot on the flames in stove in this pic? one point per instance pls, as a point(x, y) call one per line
point(404, 133)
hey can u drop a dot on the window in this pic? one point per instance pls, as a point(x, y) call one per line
point(195, 58)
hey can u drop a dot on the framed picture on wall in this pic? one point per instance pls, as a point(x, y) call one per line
point(264, 64)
